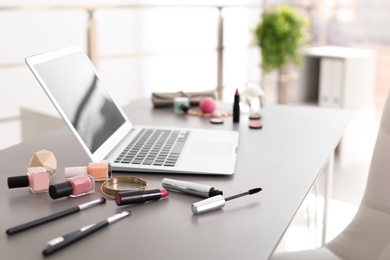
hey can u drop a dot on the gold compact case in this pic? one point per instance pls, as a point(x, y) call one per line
point(122, 183)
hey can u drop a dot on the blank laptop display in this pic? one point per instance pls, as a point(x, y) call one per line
point(86, 105)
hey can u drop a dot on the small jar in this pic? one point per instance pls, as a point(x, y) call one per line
point(181, 105)
point(100, 171)
point(74, 187)
point(37, 179)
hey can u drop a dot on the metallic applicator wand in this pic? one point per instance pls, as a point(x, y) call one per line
point(218, 202)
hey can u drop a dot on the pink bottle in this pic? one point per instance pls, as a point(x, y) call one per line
point(37, 179)
point(74, 187)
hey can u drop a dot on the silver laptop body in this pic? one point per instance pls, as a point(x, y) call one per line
point(86, 105)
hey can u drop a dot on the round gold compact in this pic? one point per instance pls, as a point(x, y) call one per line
point(122, 183)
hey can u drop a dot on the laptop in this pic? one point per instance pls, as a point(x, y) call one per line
point(106, 134)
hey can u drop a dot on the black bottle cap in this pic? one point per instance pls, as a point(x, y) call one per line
point(213, 192)
point(60, 190)
point(18, 182)
point(184, 108)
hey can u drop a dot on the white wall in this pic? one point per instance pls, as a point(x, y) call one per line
point(140, 50)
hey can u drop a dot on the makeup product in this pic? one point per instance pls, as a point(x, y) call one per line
point(139, 196)
point(74, 187)
point(254, 116)
point(236, 107)
point(100, 171)
point(192, 188)
point(207, 105)
point(255, 126)
point(217, 202)
point(60, 242)
point(37, 179)
point(44, 158)
point(216, 120)
point(181, 105)
point(54, 216)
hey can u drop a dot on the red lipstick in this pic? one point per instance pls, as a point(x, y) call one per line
point(139, 196)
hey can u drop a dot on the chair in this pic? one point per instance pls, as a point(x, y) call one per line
point(368, 235)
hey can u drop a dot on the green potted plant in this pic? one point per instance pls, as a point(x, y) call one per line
point(281, 34)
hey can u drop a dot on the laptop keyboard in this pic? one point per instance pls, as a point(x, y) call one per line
point(154, 147)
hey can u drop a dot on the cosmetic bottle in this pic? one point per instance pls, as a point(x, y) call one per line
point(74, 187)
point(100, 171)
point(181, 105)
point(37, 179)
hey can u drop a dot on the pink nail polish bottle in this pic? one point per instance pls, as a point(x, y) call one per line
point(100, 171)
point(74, 187)
point(37, 179)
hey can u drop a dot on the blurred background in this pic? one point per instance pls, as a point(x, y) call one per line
point(141, 47)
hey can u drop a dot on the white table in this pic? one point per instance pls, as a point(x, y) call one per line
point(284, 158)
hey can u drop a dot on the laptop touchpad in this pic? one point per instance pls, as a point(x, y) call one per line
point(211, 148)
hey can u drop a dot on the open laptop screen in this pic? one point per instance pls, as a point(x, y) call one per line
point(79, 93)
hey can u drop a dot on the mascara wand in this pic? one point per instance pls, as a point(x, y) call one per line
point(218, 202)
point(249, 192)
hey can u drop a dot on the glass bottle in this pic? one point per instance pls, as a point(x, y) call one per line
point(37, 179)
point(74, 187)
point(100, 171)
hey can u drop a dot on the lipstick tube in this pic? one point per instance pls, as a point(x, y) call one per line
point(139, 196)
point(236, 107)
point(200, 190)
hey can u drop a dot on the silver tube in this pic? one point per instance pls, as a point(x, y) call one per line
point(209, 204)
point(200, 190)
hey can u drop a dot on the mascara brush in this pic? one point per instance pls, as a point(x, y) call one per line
point(218, 202)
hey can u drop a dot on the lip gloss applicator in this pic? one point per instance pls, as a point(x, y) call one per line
point(218, 202)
